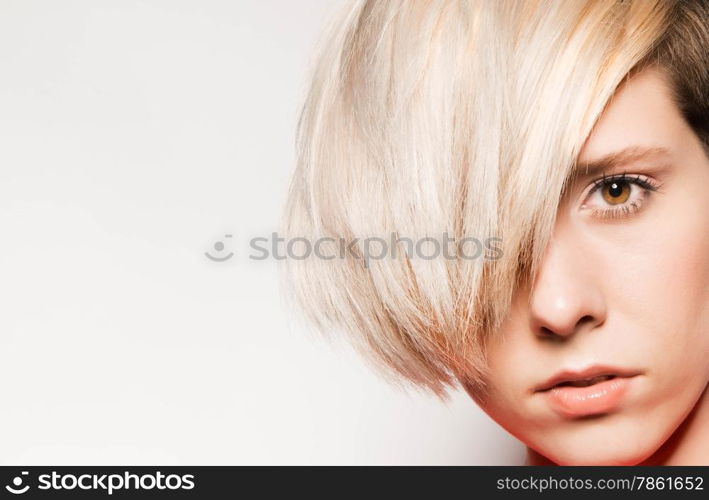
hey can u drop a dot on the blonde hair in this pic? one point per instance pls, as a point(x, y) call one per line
point(463, 117)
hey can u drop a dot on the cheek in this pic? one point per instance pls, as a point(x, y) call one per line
point(665, 273)
point(512, 359)
point(680, 278)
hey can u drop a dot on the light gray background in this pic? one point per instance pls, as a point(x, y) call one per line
point(133, 135)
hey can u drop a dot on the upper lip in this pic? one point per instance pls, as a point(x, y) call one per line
point(584, 374)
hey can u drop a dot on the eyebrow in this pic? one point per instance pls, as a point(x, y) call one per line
point(618, 158)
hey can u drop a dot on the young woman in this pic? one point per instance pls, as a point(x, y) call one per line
point(573, 133)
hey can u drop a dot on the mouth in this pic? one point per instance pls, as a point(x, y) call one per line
point(584, 378)
point(580, 382)
point(593, 391)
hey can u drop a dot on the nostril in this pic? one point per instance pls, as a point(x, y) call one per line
point(561, 331)
point(548, 335)
point(587, 319)
point(546, 332)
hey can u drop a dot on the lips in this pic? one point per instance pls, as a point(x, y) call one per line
point(584, 378)
point(592, 391)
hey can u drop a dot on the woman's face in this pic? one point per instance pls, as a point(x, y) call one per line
point(622, 292)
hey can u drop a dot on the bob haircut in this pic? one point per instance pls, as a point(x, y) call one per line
point(464, 117)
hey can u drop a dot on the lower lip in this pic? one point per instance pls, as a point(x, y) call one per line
point(603, 397)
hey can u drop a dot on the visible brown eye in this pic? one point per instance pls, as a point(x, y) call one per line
point(616, 192)
point(618, 195)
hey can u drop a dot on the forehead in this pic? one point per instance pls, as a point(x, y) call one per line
point(641, 114)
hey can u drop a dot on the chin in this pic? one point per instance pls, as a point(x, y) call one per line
point(599, 446)
point(601, 458)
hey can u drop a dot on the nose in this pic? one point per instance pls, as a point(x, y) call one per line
point(567, 295)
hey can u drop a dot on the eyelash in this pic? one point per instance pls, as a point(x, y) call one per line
point(625, 210)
